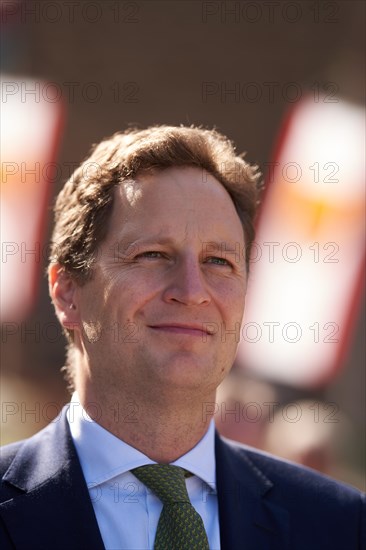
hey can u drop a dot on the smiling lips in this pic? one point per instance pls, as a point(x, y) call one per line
point(188, 329)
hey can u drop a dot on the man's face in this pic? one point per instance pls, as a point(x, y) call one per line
point(164, 306)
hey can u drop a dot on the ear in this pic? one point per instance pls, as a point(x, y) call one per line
point(63, 293)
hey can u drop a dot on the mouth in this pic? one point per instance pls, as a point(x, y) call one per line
point(187, 329)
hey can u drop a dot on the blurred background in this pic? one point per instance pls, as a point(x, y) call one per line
point(284, 81)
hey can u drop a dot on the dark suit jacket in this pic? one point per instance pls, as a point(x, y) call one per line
point(264, 503)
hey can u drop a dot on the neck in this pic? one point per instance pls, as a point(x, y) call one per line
point(163, 429)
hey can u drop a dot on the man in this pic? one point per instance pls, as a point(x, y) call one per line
point(148, 276)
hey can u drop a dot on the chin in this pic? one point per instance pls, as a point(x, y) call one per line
point(186, 371)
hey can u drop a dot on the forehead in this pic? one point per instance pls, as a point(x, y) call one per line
point(175, 198)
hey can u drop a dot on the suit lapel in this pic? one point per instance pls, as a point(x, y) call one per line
point(50, 501)
point(248, 517)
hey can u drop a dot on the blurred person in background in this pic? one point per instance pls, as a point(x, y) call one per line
point(304, 431)
point(303, 438)
point(148, 276)
point(243, 406)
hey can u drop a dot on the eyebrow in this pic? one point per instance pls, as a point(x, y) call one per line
point(125, 243)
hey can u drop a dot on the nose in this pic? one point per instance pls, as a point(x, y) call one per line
point(187, 285)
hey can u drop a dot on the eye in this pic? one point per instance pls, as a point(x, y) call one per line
point(151, 254)
point(218, 261)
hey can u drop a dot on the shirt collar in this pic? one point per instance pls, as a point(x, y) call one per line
point(103, 455)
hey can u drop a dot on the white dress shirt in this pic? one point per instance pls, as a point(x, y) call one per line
point(127, 511)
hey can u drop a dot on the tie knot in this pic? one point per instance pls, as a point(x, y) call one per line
point(166, 481)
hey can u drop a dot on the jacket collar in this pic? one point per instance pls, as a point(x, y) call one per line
point(52, 503)
point(249, 516)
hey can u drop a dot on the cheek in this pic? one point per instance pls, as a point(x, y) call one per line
point(232, 301)
point(130, 297)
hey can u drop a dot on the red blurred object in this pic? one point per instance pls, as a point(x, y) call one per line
point(309, 257)
point(30, 134)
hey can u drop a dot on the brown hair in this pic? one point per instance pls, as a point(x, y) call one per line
point(83, 207)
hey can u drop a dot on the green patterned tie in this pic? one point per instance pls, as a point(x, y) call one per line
point(180, 527)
